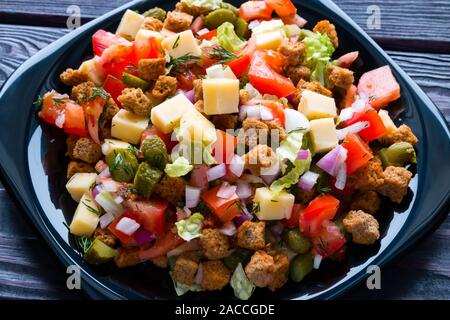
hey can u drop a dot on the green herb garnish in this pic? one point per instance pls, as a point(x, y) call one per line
point(98, 93)
point(177, 65)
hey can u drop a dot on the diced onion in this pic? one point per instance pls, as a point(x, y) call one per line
point(329, 162)
point(118, 199)
point(317, 261)
point(346, 114)
point(236, 165)
point(295, 120)
point(105, 173)
point(265, 113)
point(244, 190)
point(110, 185)
point(253, 24)
point(354, 128)
point(199, 276)
point(341, 176)
point(108, 203)
point(302, 154)
point(143, 236)
point(216, 172)
point(192, 195)
point(308, 180)
point(127, 226)
point(60, 119)
point(270, 174)
point(202, 31)
point(241, 219)
point(253, 112)
point(106, 219)
point(106, 148)
point(226, 191)
point(228, 229)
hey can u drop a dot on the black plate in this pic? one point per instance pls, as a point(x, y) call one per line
point(33, 167)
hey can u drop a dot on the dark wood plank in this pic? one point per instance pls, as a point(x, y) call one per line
point(402, 22)
point(30, 270)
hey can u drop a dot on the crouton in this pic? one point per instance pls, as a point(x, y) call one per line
point(191, 9)
point(127, 257)
point(177, 21)
point(362, 226)
point(259, 269)
point(369, 177)
point(297, 73)
point(280, 270)
point(164, 87)
point(105, 236)
point(215, 275)
point(276, 129)
point(87, 150)
point(293, 52)
point(224, 121)
point(395, 183)
point(171, 189)
point(151, 69)
point(253, 132)
point(184, 270)
point(325, 27)
point(110, 110)
point(80, 93)
point(250, 235)
point(368, 201)
point(72, 77)
point(260, 157)
point(71, 141)
point(78, 167)
point(402, 134)
point(244, 96)
point(314, 86)
point(339, 77)
point(134, 100)
point(198, 90)
point(161, 262)
point(152, 24)
point(215, 245)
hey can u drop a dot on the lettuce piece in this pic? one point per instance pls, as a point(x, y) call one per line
point(319, 50)
point(290, 147)
point(292, 177)
point(180, 167)
point(204, 4)
point(181, 288)
point(228, 38)
point(191, 227)
point(242, 286)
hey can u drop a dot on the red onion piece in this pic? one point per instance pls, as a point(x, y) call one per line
point(302, 154)
point(329, 162)
point(226, 191)
point(244, 190)
point(127, 226)
point(143, 236)
point(308, 180)
point(354, 128)
point(197, 24)
point(202, 31)
point(240, 220)
point(317, 261)
point(106, 219)
point(199, 276)
point(346, 60)
point(192, 195)
point(96, 190)
point(277, 229)
point(236, 165)
point(216, 172)
point(265, 113)
point(190, 95)
point(228, 229)
point(185, 247)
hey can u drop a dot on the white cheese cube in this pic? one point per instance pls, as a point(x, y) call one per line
point(130, 24)
point(314, 105)
point(142, 40)
point(220, 71)
point(92, 69)
point(220, 96)
point(128, 127)
point(86, 217)
point(271, 207)
point(113, 144)
point(387, 121)
point(181, 44)
point(79, 184)
point(268, 26)
point(194, 127)
point(324, 135)
point(167, 115)
point(270, 40)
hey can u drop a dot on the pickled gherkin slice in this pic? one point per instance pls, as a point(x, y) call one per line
point(122, 164)
point(155, 152)
point(397, 154)
point(241, 28)
point(134, 82)
point(156, 13)
point(215, 18)
point(296, 241)
point(301, 266)
point(146, 179)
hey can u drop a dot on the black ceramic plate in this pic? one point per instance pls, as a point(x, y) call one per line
point(33, 167)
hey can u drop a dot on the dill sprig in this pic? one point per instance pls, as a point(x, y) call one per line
point(98, 93)
point(83, 243)
point(222, 55)
point(177, 65)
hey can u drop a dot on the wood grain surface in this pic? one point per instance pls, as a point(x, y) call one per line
point(28, 268)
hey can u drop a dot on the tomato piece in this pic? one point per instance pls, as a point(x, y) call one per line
point(147, 47)
point(101, 40)
point(124, 238)
point(276, 108)
point(379, 86)
point(283, 8)
point(151, 213)
point(358, 152)
point(322, 208)
point(224, 209)
point(223, 148)
point(93, 109)
point(164, 244)
point(266, 80)
point(329, 241)
point(239, 65)
point(376, 128)
point(118, 59)
point(275, 60)
point(114, 87)
point(53, 106)
point(348, 190)
point(74, 120)
point(293, 220)
point(186, 80)
point(209, 35)
point(251, 10)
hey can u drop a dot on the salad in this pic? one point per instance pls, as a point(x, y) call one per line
point(227, 145)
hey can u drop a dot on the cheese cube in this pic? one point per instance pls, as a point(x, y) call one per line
point(141, 43)
point(130, 24)
point(269, 40)
point(86, 217)
point(92, 69)
point(194, 127)
point(220, 71)
point(128, 127)
point(324, 135)
point(314, 105)
point(273, 207)
point(268, 26)
point(79, 184)
point(220, 96)
point(113, 144)
point(167, 115)
point(181, 44)
point(387, 121)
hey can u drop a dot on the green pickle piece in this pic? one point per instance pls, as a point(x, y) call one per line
point(241, 28)
point(99, 253)
point(301, 266)
point(122, 164)
point(229, 6)
point(296, 241)
point(134, 82)
point(156, 13)
point(240, 255)
point(146, 179)
point(397, 154)
point(215, 18)
point(155, 152)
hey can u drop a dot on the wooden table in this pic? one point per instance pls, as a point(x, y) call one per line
point(416, 34)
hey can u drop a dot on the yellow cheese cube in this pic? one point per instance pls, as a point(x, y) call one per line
point(387, 121)
point(195, 127)
point(128, 127)
point(268, 26)
point(181, 44)
point(86, 217)
point(167, 115)
point(314, 105)
point(220, 71)
point(79, 184)
point(142, 39)
point(324, 134)
point(113, 144)
point(271, 207)
point(269, 40)
point(130, 24)
point(220, 96)
point(92, 69)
